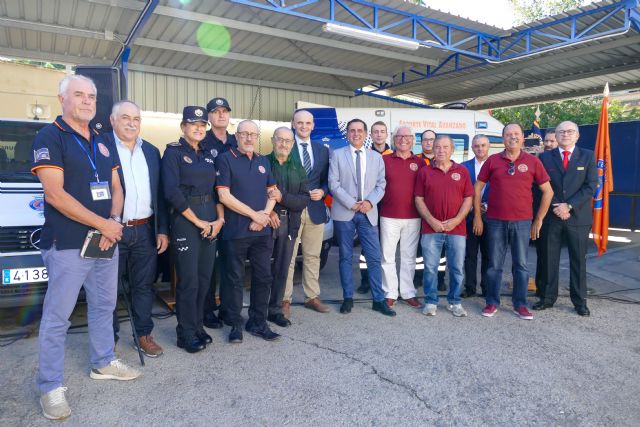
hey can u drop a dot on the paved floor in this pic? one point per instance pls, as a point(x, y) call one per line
point(366, 369)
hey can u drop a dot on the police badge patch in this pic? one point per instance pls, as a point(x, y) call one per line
point(103, 149)
point(41, 154)
point(262, 169)
point(187, 159)
point(214, 153)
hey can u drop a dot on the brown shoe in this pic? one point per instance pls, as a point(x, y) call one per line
point(317, 305)
point(148, 346)
point(286, 309)
point(413, 302)
point(390, 302)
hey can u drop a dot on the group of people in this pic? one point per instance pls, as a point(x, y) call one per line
point(217, 202)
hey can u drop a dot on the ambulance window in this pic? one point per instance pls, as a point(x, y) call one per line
point(15, 148)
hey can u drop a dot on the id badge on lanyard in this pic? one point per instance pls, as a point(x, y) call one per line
point(99, 189)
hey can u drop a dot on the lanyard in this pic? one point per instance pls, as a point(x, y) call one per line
point(93, 165)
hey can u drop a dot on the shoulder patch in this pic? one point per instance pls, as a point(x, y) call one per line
point(174, 144)
point(41, 154)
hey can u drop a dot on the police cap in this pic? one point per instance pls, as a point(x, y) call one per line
point(218, 102)
point(191, 114)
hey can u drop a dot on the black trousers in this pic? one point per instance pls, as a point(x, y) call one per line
point(195, 257)
point(475, 244)
point(258, 250)
point(282, 253)
point(137, 265)
point(554, 234)
point(210, 299)
point(540, 267)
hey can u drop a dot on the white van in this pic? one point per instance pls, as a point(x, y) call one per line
point(24, 277)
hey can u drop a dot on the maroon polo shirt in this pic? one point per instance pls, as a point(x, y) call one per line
point(443, 193)
point(398, 201)
point(511, 198)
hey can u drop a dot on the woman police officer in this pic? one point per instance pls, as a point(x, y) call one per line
point(189, 175)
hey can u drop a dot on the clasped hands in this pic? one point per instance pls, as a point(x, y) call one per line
point(562, 211)
point(363, 206)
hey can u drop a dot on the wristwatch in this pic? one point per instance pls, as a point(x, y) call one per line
point(570, 207)
point(116, 218)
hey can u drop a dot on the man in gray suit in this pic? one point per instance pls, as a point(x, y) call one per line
point(356, 181)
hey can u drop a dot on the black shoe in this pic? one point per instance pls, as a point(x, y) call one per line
point(364, 288)
point(382, 307)
point(279, 320)
point(541, 305)
point(204, 337)
point(583, 311)
point(346, 306)
point(235, 336)
point(191, 344)
point(211, 321)
point(467, 293)
point(263, 332)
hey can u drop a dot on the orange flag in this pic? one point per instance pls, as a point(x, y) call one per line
point(605, 179)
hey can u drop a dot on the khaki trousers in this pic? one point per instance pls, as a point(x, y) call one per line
point(310, 235)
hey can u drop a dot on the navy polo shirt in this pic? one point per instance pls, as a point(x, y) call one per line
point(217, 147)
point(56, 146)
point(187, 172)
point(248, 180)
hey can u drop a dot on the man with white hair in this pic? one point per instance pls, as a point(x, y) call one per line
point(399, 219)
point(83, 194)
point(145, 219)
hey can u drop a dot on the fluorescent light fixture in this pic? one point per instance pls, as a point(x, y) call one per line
point(370, 36)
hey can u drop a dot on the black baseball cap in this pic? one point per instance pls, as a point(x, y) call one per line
point(218, 102)
point(192, 114)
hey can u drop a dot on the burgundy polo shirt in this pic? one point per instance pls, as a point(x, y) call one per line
point(443, 193)
point(511, 198)
point(398, 201)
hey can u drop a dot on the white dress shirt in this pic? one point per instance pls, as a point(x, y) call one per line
point(137, 201)
point(363, 165)
point(570, 150)
point(301, 149)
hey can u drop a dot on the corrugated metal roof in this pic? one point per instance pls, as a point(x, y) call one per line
point(278, 50)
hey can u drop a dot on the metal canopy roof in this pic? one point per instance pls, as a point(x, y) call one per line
point(280, 45)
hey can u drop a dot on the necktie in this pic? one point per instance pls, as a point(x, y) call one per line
point(565, 159)
point(306, 158)
point(358, 175)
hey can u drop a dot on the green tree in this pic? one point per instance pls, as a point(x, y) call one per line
point(531, 10)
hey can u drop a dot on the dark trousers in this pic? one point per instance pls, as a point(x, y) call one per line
point(540, 267)
point(195, 257)
point(210, 299)
point(258, 250)
point(282, 253)
point(475, 244)
point(554, 234)
point(137, 266)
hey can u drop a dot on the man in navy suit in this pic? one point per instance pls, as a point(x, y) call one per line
point(145, 218)
point(480, 146)
point(574, 178)
point(314, 157)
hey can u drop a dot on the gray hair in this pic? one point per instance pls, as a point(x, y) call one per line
point(116, 107)
point(478, 136)
point(281, 128)
point(64, 83)
point(447, 137)
point(395, 131)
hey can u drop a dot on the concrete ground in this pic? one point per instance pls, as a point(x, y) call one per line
point(366, 369)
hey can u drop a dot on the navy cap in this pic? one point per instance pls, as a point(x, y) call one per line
point(218, 102)
point(191, 114)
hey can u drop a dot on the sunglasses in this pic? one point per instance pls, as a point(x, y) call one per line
point(512, 169)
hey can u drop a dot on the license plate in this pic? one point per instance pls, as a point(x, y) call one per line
point(24, 275)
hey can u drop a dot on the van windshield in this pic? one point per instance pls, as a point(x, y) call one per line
point(15, 150)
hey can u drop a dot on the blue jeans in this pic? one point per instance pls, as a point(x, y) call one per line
point(370, 242)
point(432, 245)
point(515, 236)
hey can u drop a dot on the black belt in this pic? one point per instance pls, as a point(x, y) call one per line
point(201, 199)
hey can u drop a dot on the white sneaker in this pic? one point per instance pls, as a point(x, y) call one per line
point(116, 370)
point(430, 310)
point(54, 404)
point(457, 310)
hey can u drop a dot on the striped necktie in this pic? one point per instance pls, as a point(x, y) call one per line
point(306, 158)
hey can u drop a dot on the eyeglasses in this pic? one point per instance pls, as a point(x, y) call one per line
point(405, 137)
point(512, 169)
point(248, 135)
point(566, 132)
point(283, 140)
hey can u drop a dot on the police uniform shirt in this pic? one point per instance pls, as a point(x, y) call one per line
point(217, 147)
point(60, 147)
point(248, 180)
point(187, 173)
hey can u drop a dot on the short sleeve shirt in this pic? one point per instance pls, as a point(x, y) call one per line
point(248, 180)
point(444, 193)
point(217, 147)
point(400, 174)
point(60, 147)
point(511, 198)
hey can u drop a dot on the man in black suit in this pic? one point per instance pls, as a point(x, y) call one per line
point(145, 218)
point(573, 178)
point(314, 157)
